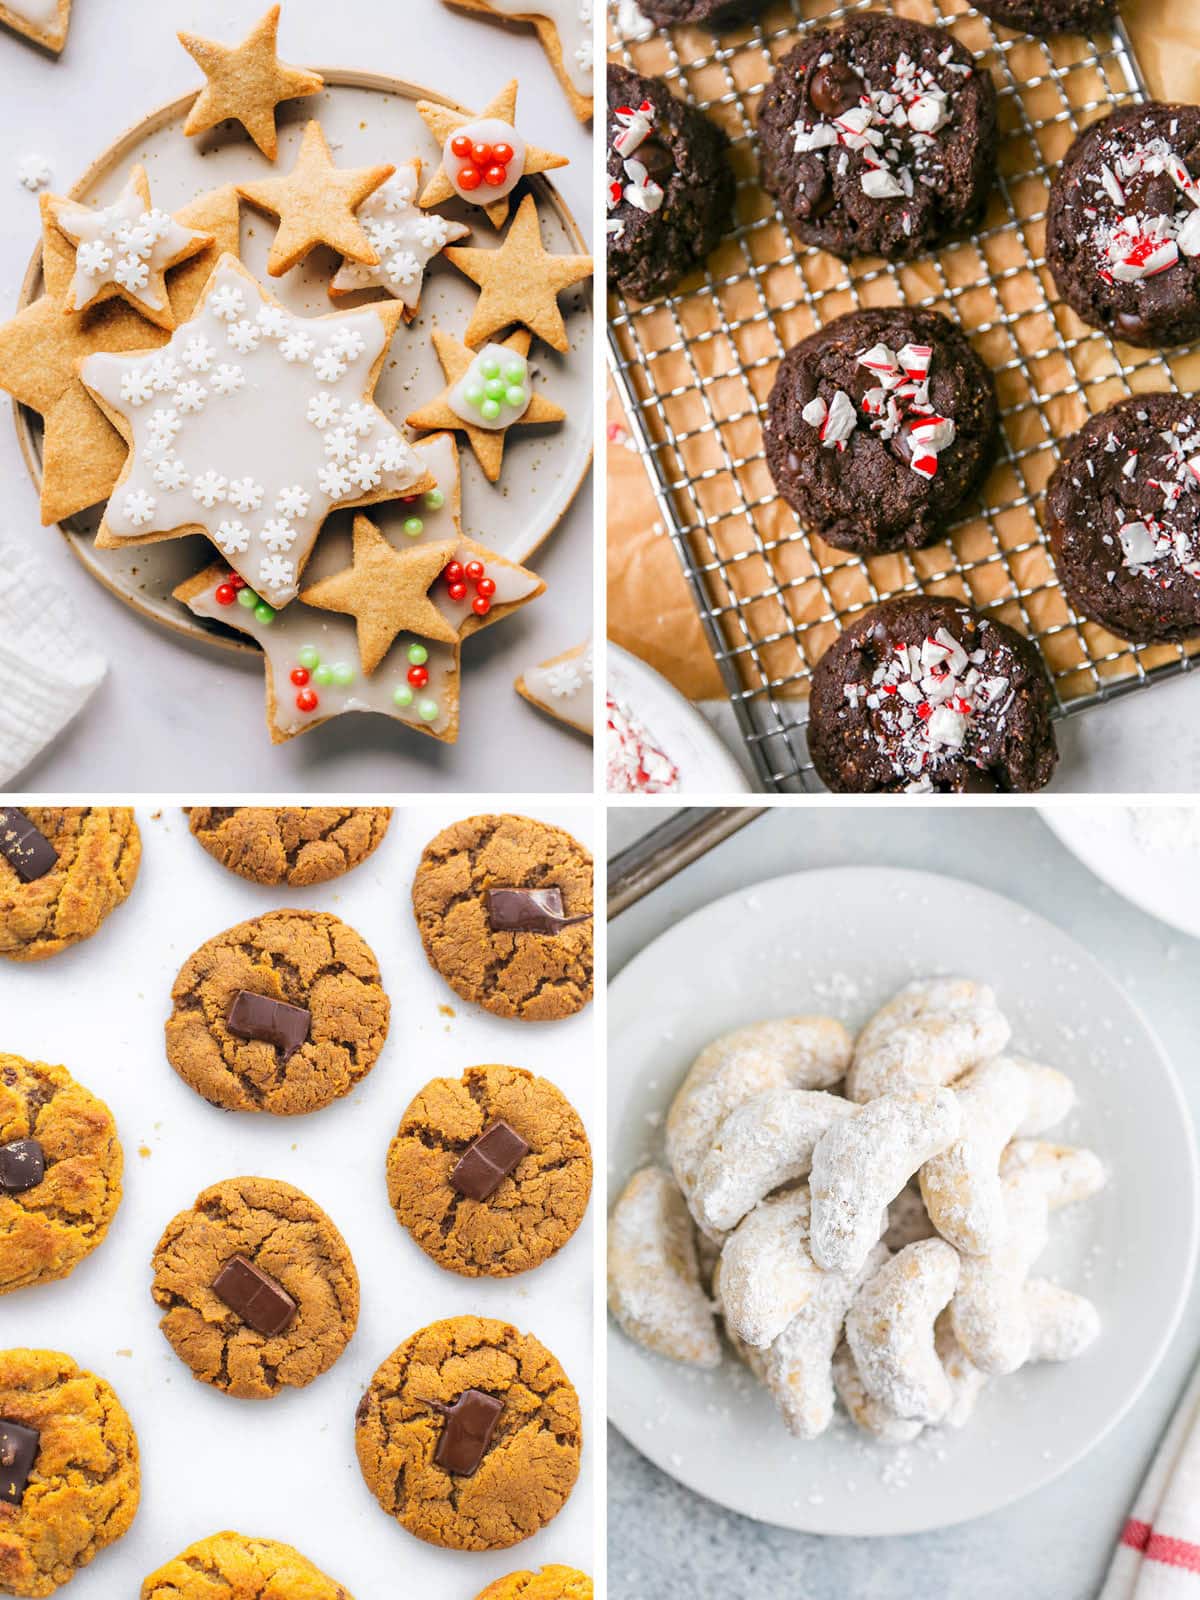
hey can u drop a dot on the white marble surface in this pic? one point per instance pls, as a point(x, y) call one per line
point(666, 1543)
point(172, 714)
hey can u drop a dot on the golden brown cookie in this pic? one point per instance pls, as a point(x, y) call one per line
point(520, 282)
point(230, 1566)
point(551, 1583)
point(305, 959)
point(296, 845)
point(535, 976)
point(246, 82)
point(532, 1459)
point(527, 1214)
point(98, 849)
point(60, 1172)
point(282, 1234)
point(76, 1456)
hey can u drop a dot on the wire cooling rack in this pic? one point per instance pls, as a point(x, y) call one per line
point(696, 367)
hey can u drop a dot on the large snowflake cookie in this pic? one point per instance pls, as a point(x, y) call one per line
point(404, 237)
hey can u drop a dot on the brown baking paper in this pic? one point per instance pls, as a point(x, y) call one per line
point(713, 358)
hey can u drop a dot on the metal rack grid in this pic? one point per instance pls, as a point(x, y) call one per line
point(695, 369)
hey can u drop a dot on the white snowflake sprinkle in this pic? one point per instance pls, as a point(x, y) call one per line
point(209, 488)
point(232, 537)
point(139, 507)
point(245, 494)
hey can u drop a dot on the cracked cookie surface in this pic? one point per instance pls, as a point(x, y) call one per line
point(536, 1208)
point(286, 1235)
point(230, 1566)
point(551, 1583)
point(534, 976)
point(527, 1472)
point(296, 845)
point(98, 850)
point(305, 958)
point(47, 1230)
point(84, 1485)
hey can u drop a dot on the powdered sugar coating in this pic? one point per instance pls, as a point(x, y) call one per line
point(890, 1330)
point(930, 1032)
point(654, 1287)
point(767, 1271)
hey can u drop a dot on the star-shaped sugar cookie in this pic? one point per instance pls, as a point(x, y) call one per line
point(315, 205)
point(565, 30)
point(521, 281)
point(40, 348)
point(562, 687)
point(246, 82)
point(44, 21)
point(125, 250)
point(251, 426)
point(473, 175)
point(452, 410)
point(405, 238)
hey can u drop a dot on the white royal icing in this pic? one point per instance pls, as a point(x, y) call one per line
point(573, 21)
point(123, 244)
point(40, 12)
point(469, 396)
point(492, 131)
point(405, 238)
point(565, 687)
point(251, 424)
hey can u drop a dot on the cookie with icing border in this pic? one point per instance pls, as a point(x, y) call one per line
point(246, 82)
point(495, 124)
point(245, 1568)
point(564, 28)
point(44, 21)
point(562, 687)
point(405, 238)
point(520, 282)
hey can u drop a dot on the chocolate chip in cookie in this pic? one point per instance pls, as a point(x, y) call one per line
point(63, 869)
point(296, 845)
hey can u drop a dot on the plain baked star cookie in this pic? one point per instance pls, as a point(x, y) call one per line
point(296, 845)
point(404, 237)
point(520, 282)
point(469, 1435)
point(244, 1569)
point(551, 1583)
point(483, 157)
point(246, 82)
point(72, 1486)
point(62, 870)
point(283, 1013)
point(257, 1288)
point(565, 29)
point(515, 959)
point(44, 21)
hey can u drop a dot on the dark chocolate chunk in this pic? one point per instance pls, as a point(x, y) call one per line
point(257, 1016)
point(22, 1165)
point(24, 846)
point(529, 911)
point(18, 1452)
point(484, 1165)
point(834, 87)
point(470, 1423)
point(256, 1297)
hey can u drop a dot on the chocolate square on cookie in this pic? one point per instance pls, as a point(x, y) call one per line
point(470, 1423)
point(256, 1297)
point(24, 846)
point(18, 1452)
point(22, 1166)
point(486, 1163)
point(257, 1016)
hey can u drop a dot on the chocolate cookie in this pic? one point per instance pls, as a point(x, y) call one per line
point(535, 966)
point(296, 845)
point(1123, 225)
point(923, 695)
point(551, 1583)
point(711, 13)
point(879, 427)
point(283, 1013)
point(1123, 515)
point(878, 138)
point(470, 1434)
point(229, 1566)
point(490, 1173)
point(670, 185)
point(69, 1481)
point(1049, 16)
point(60, 1172)
point(62, 870)
point(257, 1287)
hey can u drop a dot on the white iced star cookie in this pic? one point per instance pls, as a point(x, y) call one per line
point(562, 687)
point(125, 250)
point(250, 426)
point(566, 30)
point(404, 237)
point(44, 21)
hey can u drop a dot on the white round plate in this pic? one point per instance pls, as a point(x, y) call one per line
point(677, 728)
point(1149, 854)
point(841, 941)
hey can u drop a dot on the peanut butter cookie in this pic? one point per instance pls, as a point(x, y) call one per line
point(551, 1583)
point(257, 1286)
point(62, 870)
point(469, 1435)
point(230, 1566)
point(490, 1173)
point(296, 845)
point(283, 1013)
point(60, 1172)
point(69, 1485)
point(504, 905)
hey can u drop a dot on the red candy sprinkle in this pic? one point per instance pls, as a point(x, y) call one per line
point(226, 594)
point(238, 583)
point(299, 676)
point(454, 572)
point(481, 163)
point(307, 700)
point(486, 587)
point(481, 154)
point(474, 570)
point(461, 146)
point(418, 677)
point(469, 177)
point(503, 153)
point(494, 176)
point(481, 605)
point(458, 591)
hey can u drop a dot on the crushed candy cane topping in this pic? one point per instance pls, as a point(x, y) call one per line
point(1161, 545)
point(636, 187)
point(635, 764)
point(897, 407)
point(1131, 244)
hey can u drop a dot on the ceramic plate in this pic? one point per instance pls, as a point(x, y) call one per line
point(1149, 854)
point(680, 731)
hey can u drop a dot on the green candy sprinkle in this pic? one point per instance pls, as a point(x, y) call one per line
point(428, 710)
point(490, 367)
point(309, 656)
point(435, 500)
point(413, 527)
point(343, 673)
point(494, 388)
point(515, 372)
point(247, 598)
point(490, 410)
point(418, 654)
point(474, 394)
point(323, 675)
point(515, 396)
point(403, 696)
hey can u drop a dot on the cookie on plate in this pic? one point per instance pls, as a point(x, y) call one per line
point(504, 905)
point(296, 845)
point(62, 870)
point(1123, 515)
point(670, 185)
point(878, 138)
point(1049, 16)
point(60, 1172)
point(551, 1583)
point(490, 1173)
point(70, 1484)
point(44, 21)
point(564, 28)
point(282, 1013)
point(923, 695)
point(244, 1569)
point(257, 1288)
point(1123, 225)
point(469, 1435)
point(879, 427)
